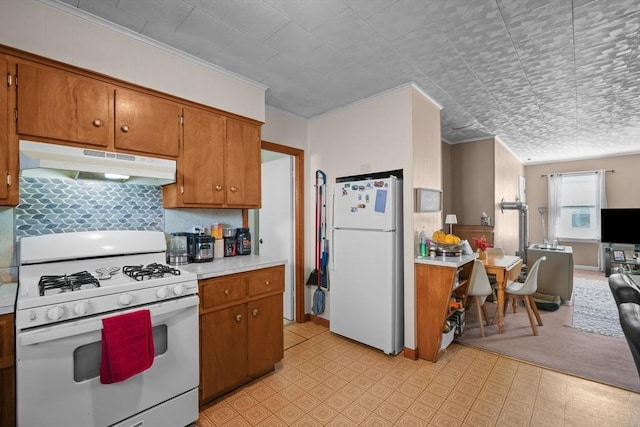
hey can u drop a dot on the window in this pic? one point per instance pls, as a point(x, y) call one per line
point(575, 200)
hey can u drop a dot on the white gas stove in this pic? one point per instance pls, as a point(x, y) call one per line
point(72, 275)
point(68, 285)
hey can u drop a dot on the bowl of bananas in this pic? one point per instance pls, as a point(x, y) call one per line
point(446, 241)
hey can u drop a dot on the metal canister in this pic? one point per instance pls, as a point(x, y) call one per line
point(243, 241)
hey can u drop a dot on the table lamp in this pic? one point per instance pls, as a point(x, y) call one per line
point(451, 219)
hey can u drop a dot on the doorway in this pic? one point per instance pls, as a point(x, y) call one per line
point(273, 222)
point(295, 243)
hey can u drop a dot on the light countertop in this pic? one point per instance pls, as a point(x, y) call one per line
point(8, 297)
point(231, 265)
point(205, 270)
point(448, 261)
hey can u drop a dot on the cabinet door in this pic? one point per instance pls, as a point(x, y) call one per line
point(242, 164)
point(4, 129)
point(7, 372)
point(265, 334)
point(9, 170)
point(202, 157)
point(223, 350)
point(147, 123)
point(61, 105)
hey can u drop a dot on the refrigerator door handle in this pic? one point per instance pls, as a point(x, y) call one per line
point(332, 257)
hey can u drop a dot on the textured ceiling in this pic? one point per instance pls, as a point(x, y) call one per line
point(553, 79)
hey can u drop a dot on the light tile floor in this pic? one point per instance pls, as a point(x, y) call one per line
point(325, 379)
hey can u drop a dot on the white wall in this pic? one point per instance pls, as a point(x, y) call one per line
point(66, 34)
point(281, 127)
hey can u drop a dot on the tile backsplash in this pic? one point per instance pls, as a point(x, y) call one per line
point(62, 205)
point(65, 205)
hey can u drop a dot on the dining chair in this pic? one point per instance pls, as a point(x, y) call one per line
point(479, 289)
point(525, 291)
point(492, 276)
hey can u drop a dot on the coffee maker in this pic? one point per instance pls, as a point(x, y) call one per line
point(180, 248)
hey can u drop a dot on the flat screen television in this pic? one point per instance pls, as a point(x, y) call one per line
point(620, 225)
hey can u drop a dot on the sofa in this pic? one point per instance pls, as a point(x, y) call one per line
point(625, 288)
point(626, 292)
point(630, 322)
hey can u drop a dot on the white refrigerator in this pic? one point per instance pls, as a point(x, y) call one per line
point(366, 295)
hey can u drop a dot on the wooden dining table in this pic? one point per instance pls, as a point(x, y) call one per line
point(505, 267)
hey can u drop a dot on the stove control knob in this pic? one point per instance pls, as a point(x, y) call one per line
point(81, 308)
point(125, 299)
point(178, 289)
point(55, 312)
point(162, 292)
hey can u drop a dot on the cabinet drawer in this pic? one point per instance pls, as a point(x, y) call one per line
point(266, 280)
point(214, 292)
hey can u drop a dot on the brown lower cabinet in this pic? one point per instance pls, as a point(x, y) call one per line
point(241, 329)
point(7, 372)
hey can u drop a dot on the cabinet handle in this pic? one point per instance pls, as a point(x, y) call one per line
point(226, 291)
point(124, 128)
point(8, 179)
point(97, 123)
point(218, 187)
point(233, 189)
point(267, 283)
point(255, 312)
point(9, 79)
point(238, 317)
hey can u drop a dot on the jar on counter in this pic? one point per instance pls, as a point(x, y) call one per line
point(229, 242)
point(243, 241)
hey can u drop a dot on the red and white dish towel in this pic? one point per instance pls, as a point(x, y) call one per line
point(127, 346)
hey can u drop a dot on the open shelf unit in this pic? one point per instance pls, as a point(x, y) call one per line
point(436, 282)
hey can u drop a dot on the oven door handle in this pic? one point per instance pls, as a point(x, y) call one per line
point(56, 332)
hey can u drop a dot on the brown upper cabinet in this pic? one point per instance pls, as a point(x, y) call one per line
point(60, 105)
point(219, 165)
point(242, 164)
point(147, 123)
point(65, 106)
point(8, 140)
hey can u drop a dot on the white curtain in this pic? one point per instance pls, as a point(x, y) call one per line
point(555, 197)
point(555, 205)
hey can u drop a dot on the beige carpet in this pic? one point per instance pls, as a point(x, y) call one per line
point(596, 357)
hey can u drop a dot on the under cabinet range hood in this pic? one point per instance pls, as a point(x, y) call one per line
point(77, 162)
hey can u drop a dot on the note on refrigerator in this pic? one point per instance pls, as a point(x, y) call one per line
point(381, 200)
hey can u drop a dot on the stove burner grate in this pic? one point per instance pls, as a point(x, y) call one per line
point(151, 271)
point(67, 283)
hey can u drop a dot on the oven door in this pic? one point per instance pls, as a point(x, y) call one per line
point(58, 372)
